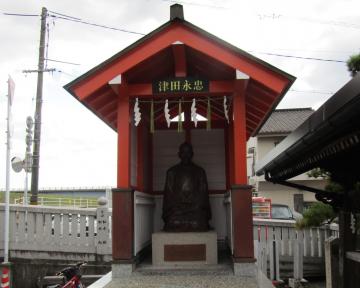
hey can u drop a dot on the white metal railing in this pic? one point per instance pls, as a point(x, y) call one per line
point(50, 230)
point(62, 202)
point(276, 238)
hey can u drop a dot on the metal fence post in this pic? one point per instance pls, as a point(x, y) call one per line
point(298, 260)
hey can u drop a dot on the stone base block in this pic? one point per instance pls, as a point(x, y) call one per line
point(184, 248)
point(121, 269)
point(245, 269)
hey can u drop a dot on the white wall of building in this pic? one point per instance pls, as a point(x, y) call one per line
point(279, 194)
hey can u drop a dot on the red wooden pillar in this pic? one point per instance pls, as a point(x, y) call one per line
point(240, 191)
point(123, 197)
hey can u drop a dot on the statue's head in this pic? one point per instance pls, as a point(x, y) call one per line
point(185, 152)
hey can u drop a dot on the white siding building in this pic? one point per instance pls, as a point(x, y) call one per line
point(280, 124)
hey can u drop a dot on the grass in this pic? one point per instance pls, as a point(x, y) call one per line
point(13, 196)
point(52, 199)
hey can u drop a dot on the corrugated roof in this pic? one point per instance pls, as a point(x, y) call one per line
point(328, 139)
point(285, 120)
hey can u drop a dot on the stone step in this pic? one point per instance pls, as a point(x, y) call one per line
point(220, 269)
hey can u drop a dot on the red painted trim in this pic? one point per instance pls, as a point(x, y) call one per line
point(123, 202)
point(123, 225)
point(210, 192)
point(179, 32)
point(260, 106)
point(145, 89)
point(179, 59)
point(255, 70)
point(100, 99)
point(123, 128)
point(108, 108)
point(260, 97)
point(241, 202)
point(239, 128)
point(254, 112)
point(251, 118)
point(217, 124)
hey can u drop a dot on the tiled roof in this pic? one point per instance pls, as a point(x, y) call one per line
point(285, 120)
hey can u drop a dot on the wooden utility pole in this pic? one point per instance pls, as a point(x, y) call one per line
point(37, 127)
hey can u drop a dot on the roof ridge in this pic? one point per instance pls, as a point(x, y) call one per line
point(294, 109)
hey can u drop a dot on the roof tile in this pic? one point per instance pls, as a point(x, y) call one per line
point(285, 120)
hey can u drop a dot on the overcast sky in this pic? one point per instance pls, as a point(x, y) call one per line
point(77, 149)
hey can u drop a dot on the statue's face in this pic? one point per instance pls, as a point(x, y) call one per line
point(185, 154)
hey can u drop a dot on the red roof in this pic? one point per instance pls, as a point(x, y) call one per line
point(206, 56)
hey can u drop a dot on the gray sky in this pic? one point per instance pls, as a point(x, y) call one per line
point(77, 149)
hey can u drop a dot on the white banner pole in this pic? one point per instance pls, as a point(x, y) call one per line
point(7, 193)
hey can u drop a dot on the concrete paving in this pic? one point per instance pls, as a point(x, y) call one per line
point(183, 281)
point(222, 277)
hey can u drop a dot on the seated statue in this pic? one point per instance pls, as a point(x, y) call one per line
point(186, 206)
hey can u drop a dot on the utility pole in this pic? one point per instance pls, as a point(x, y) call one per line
point(37, 128)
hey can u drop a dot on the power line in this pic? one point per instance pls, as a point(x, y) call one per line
point(275, 16)
point(300, 57)
point(61, 16)
point(94, 24)
point(64, 15)
point(63, 62)
point(20, 14)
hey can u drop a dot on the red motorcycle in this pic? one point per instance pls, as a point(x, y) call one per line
point(71, 276)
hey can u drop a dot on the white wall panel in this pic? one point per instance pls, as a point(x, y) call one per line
point(166, 145)
point(209, 153)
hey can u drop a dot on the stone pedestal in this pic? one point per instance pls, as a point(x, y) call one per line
point(120, 270)
point(184, 248)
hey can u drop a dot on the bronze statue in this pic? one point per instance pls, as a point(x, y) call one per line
point(186, 204)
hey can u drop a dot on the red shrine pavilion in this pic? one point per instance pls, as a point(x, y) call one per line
point(180, 62)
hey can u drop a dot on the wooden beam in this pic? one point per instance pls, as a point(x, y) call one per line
point(239, 125)
point(253, 118)
point(255, 102)
point(179, 60)
point(108, 107)
point(123, 197)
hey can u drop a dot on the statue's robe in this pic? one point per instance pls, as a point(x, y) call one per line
point(186, 204)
